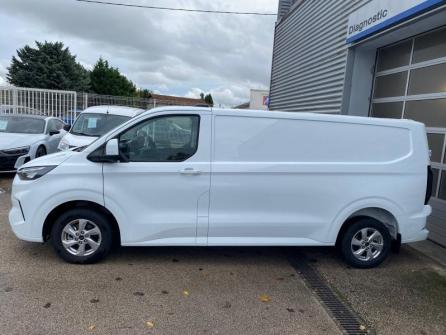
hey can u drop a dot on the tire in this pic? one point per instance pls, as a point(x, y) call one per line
point(41, 151)
point(82, 236)
point(374, 249)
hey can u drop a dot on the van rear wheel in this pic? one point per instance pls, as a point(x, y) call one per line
point(366, 243)
point(81, 236)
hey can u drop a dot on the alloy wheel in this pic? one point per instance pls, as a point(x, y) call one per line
point(81, 237)
point(367, 244)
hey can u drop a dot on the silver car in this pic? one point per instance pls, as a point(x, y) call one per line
point(25, 137)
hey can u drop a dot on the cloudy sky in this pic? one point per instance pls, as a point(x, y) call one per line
point(168, 52)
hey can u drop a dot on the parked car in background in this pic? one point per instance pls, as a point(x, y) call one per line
point(17, 109)
point(202, 177)
point(25, 137)
point(95, 122)
point(71, 116)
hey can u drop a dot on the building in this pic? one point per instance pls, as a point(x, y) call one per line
point(258, 100)
point(368, 58)
point(169, 100)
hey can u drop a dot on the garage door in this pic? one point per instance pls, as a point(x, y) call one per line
point(410, 83)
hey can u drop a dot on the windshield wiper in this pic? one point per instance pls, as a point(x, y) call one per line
point(79, 149)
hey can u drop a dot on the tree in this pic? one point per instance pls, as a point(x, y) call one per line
point(50, 66)
point(105, 79)
point(143, 93)
point(209, 100)
point(202, 96)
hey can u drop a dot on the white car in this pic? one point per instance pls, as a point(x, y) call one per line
point(94, 122)
point(25, 137)
point(207, 177)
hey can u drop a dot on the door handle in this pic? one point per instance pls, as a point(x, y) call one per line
point(190, 172)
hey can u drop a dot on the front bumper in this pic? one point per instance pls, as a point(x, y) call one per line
point(7, 162)
point(18, 223)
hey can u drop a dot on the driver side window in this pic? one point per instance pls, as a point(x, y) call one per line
point(161, 139)
point(54, 125)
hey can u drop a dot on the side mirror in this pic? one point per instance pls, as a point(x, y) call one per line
point(109, 154)
point(54, 132)
point(112, 148)
point(67, 127)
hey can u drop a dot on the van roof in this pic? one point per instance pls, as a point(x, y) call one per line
point(289, 115)
point(114, 110)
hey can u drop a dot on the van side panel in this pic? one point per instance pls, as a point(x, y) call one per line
point(245, 139)
point(279, 181)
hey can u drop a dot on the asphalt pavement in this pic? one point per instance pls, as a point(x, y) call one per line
point(153, 291)
point(207, 291)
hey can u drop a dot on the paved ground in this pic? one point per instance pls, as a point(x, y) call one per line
point(206, 291)
point(432, 249)
point(406, 295)
point(179, 290)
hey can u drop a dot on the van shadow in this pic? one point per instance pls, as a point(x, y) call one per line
point(215, 255)
point(140, 255)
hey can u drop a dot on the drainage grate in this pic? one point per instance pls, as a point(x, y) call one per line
point(347, 319)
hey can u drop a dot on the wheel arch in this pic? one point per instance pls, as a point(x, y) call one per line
point(57, 211)
point(380, 214)
point(42, 145)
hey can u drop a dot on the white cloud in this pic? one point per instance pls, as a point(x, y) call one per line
point(162, 51)
point(226, 96)
point(229, 96)
point(194, 93)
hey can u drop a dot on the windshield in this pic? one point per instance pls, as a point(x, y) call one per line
point(21, 124)
point(89, 124)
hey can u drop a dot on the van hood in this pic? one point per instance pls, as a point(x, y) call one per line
point(14, 140)
point(78, 141)
point(52, 159)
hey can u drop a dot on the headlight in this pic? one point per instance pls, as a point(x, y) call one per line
point(17, 151)
point(63, 145)
point(34, 172)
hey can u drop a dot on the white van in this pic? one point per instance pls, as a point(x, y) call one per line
point(184, 176)
point(94, 122)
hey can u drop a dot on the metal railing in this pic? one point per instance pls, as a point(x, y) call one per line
point(66, 105)
point(19, 100)
point(85, 100)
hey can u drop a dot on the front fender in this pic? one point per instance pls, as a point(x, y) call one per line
point(73, 179)
point(47, 205)
point(33, 148)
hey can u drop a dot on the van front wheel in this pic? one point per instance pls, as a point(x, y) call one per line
point(366, 243)
point(81, 236)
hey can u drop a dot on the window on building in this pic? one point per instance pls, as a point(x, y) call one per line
point(410, 83)
point(393, 110)
point(392, 85)
point(395, 56)
point(430, 46)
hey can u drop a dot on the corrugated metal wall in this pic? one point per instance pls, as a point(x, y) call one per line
point(284, 7)
point(310, 55)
